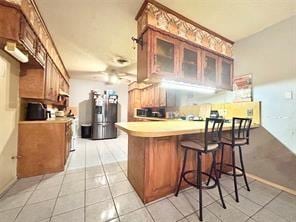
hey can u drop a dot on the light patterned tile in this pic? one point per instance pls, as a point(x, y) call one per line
point(121, 188)
point(94, 182)
point(137, 216)
point(13, 201)
point(72, 216)
point(36, 212)
point(186, 204)
point(260, 193)
point(44, 194)
point(127, 203)
point(9, 215)
point(229, 214)
point(116, 177)
point(73, 177)
point(164, 211)
point(284, 206)
point(72, 187)
point(100, 212)
point(208, 216)
point(69, 203)
point(245, 205)
point(97, 195)
point(265, 215)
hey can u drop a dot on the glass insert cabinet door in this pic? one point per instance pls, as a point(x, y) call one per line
point(190, 63)
point(210, 68)
point(164, 56)
point(226, 73)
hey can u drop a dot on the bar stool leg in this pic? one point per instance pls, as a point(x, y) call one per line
point(221, 162)
point(234, 175)
point(199, 185)
point(243, 168)
point(182, 172)
point(211, 171)
point(217, 180)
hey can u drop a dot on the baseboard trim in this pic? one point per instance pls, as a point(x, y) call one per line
point(275, 185)
point(7, 186)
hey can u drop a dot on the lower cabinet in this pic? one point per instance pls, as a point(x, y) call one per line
point(42, 147)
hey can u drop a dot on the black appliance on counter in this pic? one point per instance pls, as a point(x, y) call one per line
point(104, 114)
point(37, 111)
point(141, 112)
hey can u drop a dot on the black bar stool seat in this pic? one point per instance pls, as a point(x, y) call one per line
point(210, 144)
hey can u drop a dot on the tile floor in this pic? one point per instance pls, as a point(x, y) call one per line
point(94, 188)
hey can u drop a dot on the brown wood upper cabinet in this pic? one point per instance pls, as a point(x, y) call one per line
point(165, 55)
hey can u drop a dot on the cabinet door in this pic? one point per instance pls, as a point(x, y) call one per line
point(210, 69)
point(41, 54)
point(48, 79)
point(225, 73)
point(28, 37)
point(161, 167)
point(166, 51)
point(190, 61)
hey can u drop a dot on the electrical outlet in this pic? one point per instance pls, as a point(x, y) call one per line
point(250, 112)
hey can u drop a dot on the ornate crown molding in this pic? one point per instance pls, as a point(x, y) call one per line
point(152, 15)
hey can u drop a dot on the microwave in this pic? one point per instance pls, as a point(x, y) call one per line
point(142, 112)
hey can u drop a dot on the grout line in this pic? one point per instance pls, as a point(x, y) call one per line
point(267, 204)
point(108, 183)
point(28, 199)
point(58, 196)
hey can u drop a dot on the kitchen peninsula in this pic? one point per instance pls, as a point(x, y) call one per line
point(154, 157)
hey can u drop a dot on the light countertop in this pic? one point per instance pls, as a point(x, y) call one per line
point(51, 120)
point(166, 128)
point(150, 118)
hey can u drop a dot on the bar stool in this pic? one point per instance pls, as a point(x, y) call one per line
point(211, 143)
point(239, 137)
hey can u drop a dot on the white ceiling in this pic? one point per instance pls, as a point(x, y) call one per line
point(88, 33)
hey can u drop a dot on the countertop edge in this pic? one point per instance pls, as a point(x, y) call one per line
point(164, 134)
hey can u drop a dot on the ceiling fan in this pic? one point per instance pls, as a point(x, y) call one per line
point(119, 70)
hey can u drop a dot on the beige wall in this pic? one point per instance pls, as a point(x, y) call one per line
point(9, 107)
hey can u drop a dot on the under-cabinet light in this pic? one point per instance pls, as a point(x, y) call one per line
point(170, 84)
point(11, 48)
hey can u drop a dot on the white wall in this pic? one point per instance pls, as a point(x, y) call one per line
point(270, 56)
point(9, 115)
point(79, 97)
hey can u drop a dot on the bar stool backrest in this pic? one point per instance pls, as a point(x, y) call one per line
point(213, 131)
point(241, 129)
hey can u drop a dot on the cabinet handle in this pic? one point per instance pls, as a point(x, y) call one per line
point(16, 157)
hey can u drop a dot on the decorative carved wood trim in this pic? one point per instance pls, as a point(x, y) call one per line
point(157, 15)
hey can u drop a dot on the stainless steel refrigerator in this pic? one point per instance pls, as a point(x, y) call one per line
point(104, 114)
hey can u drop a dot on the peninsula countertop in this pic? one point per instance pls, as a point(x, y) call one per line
point(166, 128)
